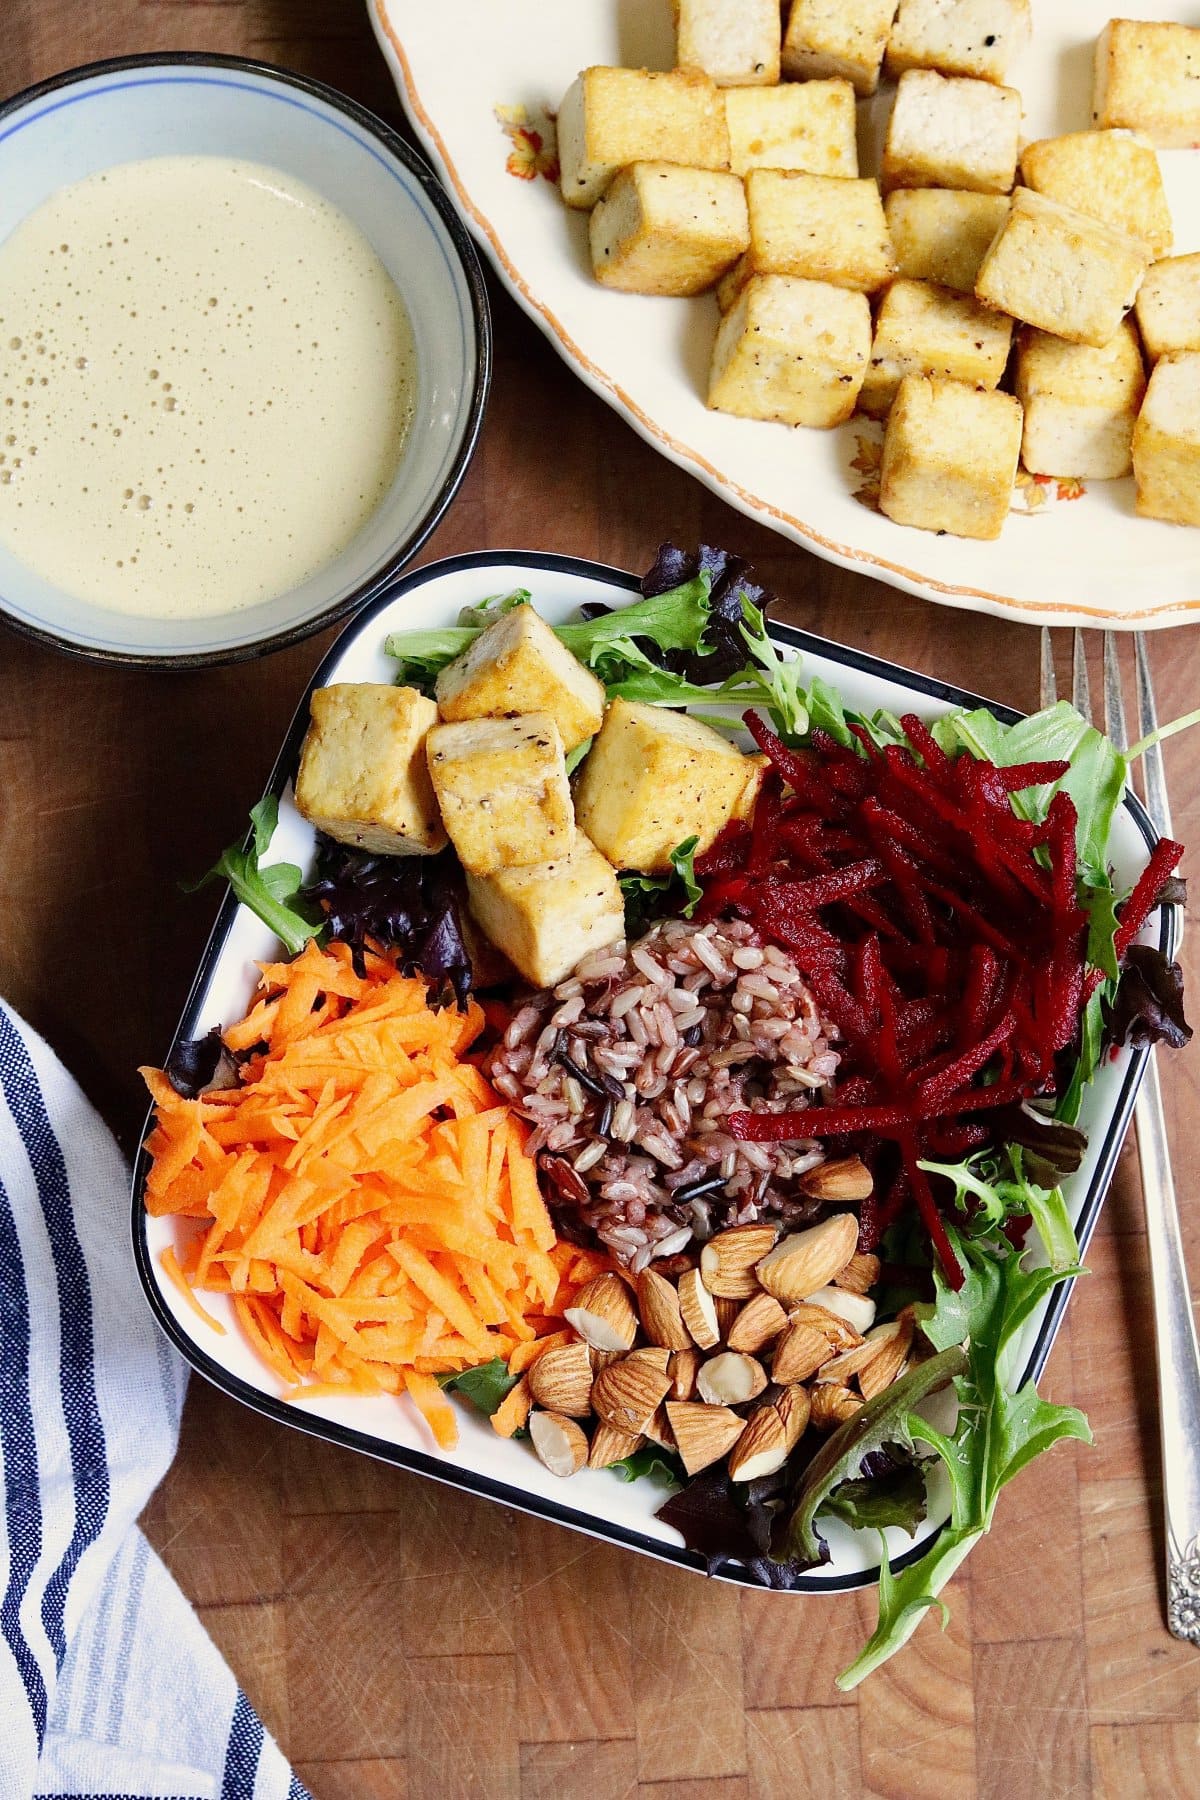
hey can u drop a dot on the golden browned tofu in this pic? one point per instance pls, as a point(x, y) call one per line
point(1168, 306)
point(654, 778)
point(1061, 270)
point(1166, 443)
point(1081, 403)
point(922, 329)
point(363, 778)
point(502, 787)
point(1147, 78)
point(810, 125)
point(734, 41)
point(547, 918)
point(838, 37)
point(942, 235)
point(980, 38)
point(821, 227)
point(950, 458)
point(662, 229)
point(791, 350)
point(1112, 175)
point(518, 665)
point(611, 117)
point(950, 131)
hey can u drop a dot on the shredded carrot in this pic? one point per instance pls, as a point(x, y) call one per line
point(527, 1353)
point(170, 1263)
point(513, 1411)
point(369, 1204)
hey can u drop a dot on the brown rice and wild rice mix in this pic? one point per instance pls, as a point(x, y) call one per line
point(627, 1070)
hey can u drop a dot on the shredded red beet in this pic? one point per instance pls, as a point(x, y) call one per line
point(941, 933)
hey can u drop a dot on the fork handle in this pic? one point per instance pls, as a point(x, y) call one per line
point(1178, 1364)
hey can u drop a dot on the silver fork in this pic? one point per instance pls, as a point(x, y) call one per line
point(1174, 1324)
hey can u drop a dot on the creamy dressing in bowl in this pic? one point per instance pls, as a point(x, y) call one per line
point(206, 378)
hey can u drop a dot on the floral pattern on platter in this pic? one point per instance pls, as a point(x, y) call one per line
point(1031, 493)
point(534, 149)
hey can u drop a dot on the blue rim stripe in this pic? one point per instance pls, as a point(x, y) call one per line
point(18, 1445)
point(243, 1753)
point(81, 1411)
point(262, 91)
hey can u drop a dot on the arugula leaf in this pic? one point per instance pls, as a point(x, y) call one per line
point(996, 1182)
point(646, 895)
point(485, 1386)
point(683, 861)
point(274, 892)
point(897, 1498)
point(999, 1431)
point(651, 1460)
point(1091, 1049)
point(493, 608)
point(576, 756)
point(780, 685)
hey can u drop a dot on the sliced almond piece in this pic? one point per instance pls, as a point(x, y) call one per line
point(658, 1431)
point(611, 1446)
point(662, 1320)
point(860, 1273)
point(856, 1309)
point(878, 1342)
point(831, 1405)
point(799, 1353)
point(560, 1443)
point(885, 1368)
point(807, 1260)
point(603, 1315)
point(703, 1434)
point(730, 1379)
point(627, 1393)
point(841, 1334)
point(728, 1260)
point(793, 1407)
point(561, 1381)
point(762, 1447)
point(683, 1369)
point(846, 1178)
point(758, 1324)
point(698, 1310)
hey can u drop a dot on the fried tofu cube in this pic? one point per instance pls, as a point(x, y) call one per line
point(838, 37)
point(362, 777)
point(662, 229)
point(1166, 442)
point(981, 38)
point(1112, 175)
point(1147, 77)
point(1081, 403)
point(1168, 306)
point(821, 227)
point(809, 125)
point(791, 350)
point(654, 778)
point(950, 131)
point(922, 329)
point(950, 457)
point(939, 234)
point(519, 665)
point(732, 283)
point(734, 41)
point(1059, 269)
point(611, 117)
point(547, 918)
point(503, 790)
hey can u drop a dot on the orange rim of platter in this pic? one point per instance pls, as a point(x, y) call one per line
point(683, 453)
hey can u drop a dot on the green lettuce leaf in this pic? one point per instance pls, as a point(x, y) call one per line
point(485, 1386)
point(653, 1461)
point(272, 892)
point(648, 897)
point(875, 1502)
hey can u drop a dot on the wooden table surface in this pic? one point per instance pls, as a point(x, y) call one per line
point(402, 1639)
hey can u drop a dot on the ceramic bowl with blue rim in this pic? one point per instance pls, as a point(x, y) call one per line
point(124, 111)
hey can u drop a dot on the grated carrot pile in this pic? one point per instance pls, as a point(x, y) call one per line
point(364, 1196)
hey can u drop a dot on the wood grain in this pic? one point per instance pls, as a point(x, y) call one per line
point(401, 1638)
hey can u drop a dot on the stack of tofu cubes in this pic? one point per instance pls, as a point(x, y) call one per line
point(737, 171)
point(484, 767)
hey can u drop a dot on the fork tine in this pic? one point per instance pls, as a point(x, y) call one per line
point(1114, 704)
point(1153, 771)
point(1048, 681)
point(1081, 697)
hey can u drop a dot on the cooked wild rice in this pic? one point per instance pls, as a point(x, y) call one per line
point(627, 1069)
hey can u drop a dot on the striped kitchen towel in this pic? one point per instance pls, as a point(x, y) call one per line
point(109, 1685)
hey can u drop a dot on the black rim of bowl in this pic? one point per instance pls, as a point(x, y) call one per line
point(469, 263)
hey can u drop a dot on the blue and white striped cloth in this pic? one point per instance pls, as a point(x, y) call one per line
point(109, 1686)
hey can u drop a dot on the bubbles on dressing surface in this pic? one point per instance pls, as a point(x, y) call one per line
point(213, 461)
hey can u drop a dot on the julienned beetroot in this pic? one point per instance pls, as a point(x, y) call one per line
point(940, 932)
